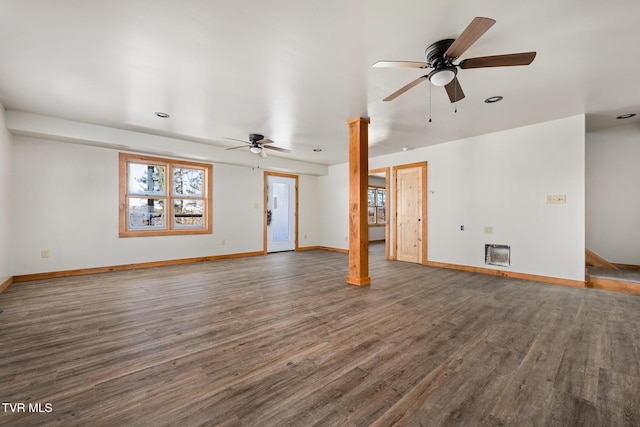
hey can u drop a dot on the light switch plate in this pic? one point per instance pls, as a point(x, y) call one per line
point(558, 199)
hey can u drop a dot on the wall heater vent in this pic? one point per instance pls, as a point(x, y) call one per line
point(497, 255)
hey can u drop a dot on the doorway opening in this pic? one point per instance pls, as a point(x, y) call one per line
point(281, 212)
point(410, 207)
point(378, 209)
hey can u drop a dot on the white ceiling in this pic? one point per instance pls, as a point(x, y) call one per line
point(297, 70)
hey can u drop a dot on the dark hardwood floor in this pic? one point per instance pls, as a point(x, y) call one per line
point(282, 340)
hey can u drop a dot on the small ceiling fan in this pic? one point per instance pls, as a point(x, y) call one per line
point(257, 143)
point(441, 55)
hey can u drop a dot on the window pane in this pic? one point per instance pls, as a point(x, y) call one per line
point(381, 215)
point(188, 213)
point(188, 182)
point(371, 197)
point(372, 215)
point(280, 213)
point(146, 213)
point(381, 197)
point(146, 179)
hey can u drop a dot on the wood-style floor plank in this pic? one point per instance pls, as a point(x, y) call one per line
point(282, 340)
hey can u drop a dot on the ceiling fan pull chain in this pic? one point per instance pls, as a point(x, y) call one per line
point(455, 104)
point(429, 102)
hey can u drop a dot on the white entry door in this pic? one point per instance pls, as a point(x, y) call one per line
point(281, 213)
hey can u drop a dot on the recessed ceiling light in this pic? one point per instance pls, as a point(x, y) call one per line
point(493, 99)
point(626, 116)
point(162, 115)
point(317, 150)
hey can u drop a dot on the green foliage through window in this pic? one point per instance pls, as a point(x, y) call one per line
point(376, 200)
point(163, 196)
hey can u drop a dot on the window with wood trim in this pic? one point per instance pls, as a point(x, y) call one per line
point(161, 197)
point(376, 200)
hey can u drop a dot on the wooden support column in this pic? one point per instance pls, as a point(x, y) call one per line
point(358, 185)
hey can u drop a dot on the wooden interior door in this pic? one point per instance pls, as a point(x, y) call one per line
point(410, 214)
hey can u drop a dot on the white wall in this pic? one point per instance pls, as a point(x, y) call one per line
point(377, 233)
point(6, 169)
point(613, 193)
point(66, 200)
point(308, 211)
point(333, 190)
point(499, 180)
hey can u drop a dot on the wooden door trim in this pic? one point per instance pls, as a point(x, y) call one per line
point(387, 225)
point(264, 208)
point(422, 165)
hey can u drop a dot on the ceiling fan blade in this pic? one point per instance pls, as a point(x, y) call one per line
point(283, 150)
point(508, 60)
point(239, 140)
point(264, 141)
point(454, 90)
point(473, 32)
point(402, 64)
point(405, 88)
point(240, 146)
point(262, 154)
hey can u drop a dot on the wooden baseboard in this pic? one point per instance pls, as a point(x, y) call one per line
point(309, 248)
point(324, 248)
point(628, 266)
point(613, 285)
point(4, 285)
point(595, 283)
point(124, 267)
point(511, 274)
point(595, 260)
point(342, 251)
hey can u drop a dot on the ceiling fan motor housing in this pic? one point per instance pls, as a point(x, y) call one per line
point(435, 53)
point(444, 70)
point(255, 137)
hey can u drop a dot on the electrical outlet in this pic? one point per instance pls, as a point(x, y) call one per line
point(44, 253)
point(488, 229)
point(223, 242)
point(256, 205)
point(558, 199)
point(305, 236)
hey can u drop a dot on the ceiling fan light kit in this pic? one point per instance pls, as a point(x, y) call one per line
point(442, 54)
point(442, 76)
